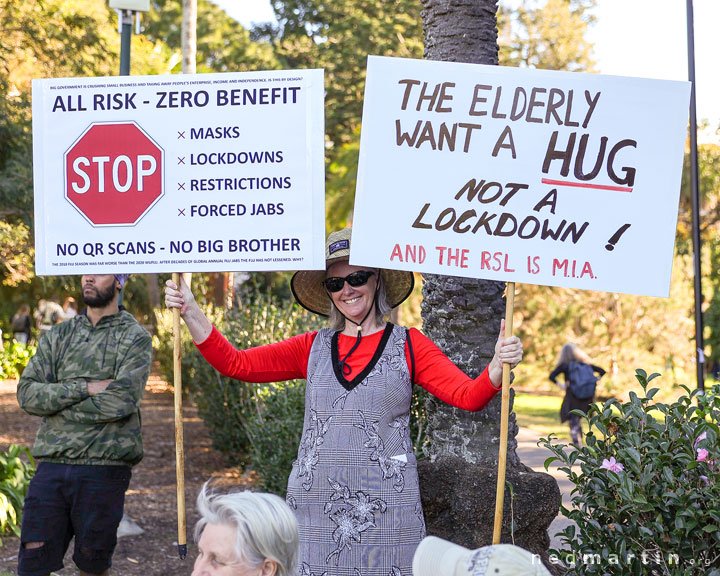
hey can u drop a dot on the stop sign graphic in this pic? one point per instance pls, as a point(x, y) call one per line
point(113, 173)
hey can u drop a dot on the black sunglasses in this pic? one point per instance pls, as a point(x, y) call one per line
point(336, 283)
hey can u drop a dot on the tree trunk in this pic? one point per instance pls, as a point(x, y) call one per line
point(460, 31)
point(221, 284)
point(189, 36)
point(462, 316)
point(153, 292)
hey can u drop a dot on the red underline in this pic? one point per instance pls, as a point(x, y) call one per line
point(584, 185)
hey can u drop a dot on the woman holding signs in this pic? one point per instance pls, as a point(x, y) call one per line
point(354, 485)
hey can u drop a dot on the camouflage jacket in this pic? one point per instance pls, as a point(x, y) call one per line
point(78, 428)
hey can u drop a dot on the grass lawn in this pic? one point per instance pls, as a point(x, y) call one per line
point(540, 413)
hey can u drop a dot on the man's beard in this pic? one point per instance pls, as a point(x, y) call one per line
point(100, 299)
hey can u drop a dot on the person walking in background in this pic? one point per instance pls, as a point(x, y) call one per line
point(714, 369)
point(85, 381)
point(21, 324)
point(51, 313)
point(38, 314)
point(69, 308)
point(354, 486)
point(245, 533)
point(581, 377)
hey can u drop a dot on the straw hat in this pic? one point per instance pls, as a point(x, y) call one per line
point(438, 557)
point(310, 293)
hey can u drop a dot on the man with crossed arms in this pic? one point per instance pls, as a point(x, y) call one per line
point(86, 381)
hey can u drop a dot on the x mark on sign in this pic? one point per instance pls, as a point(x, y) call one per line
point(181, 135)
point(181, 160)
point(181, 185)
point(181, 211)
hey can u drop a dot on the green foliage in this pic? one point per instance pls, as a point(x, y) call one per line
point(340, 177)
point(616, 330)
point(15, 475)
point(418, 421)
point(48, 39)
point(274, 425)
point(223, 45)
point(14, 356)
point(661, 511)
point(711, 316)
point(39, 40)
point(16, 253)
point(709, 189)
point(550, 36)
point(338, 36)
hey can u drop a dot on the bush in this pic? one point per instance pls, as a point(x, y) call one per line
point(647, 498)
point(15, 475)
point(13, 359)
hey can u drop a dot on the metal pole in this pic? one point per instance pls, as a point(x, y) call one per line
point(126, 17)
point(125, 35)
point(695, 194)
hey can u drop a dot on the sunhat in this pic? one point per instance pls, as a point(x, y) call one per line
point(438, 557)
point(308, 289)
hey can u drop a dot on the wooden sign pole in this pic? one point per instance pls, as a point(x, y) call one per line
point(179, 450)
point(504, 416)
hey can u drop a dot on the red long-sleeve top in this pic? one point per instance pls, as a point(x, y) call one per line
point(288, 360)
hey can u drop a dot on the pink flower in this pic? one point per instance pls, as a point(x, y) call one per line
point(699, 438)
point(612, 465)
point(702, 455)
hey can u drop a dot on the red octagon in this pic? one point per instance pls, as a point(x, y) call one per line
point(113, 173)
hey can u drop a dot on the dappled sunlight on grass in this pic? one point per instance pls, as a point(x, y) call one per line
point(540, 413)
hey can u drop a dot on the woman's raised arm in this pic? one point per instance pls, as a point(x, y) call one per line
point(182, 297)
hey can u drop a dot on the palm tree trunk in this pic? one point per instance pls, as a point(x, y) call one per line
point(460, 31)
point(189, 36)
point(462, 316)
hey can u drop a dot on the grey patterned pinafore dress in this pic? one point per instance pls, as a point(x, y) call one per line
point(354, 486)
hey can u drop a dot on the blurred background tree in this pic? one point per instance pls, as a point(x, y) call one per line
point(47, 39)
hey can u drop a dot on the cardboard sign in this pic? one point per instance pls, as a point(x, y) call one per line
point(208, 172)
point(552, 178)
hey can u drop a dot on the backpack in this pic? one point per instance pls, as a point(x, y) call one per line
point(50, 316)
point(582, 380)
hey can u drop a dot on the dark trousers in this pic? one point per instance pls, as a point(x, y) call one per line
point(66, 500)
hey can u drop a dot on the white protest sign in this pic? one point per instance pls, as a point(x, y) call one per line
point(551, 178)
point(209, 172)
